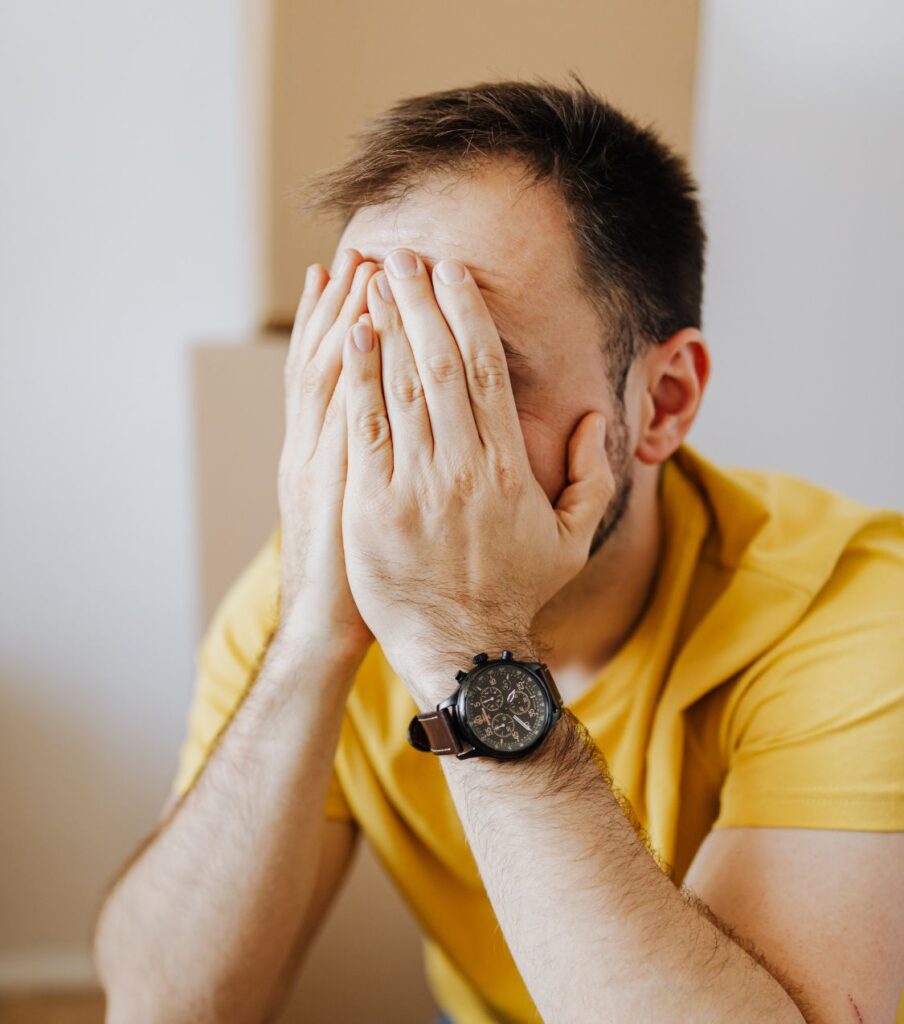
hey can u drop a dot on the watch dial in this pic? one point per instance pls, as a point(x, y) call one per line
point(505, 706)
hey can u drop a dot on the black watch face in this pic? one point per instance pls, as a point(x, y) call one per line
point(505, 707)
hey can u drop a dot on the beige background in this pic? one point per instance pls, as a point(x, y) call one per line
point(337, 64)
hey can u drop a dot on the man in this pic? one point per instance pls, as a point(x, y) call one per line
point(486, 403)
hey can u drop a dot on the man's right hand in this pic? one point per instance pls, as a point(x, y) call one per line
point(314, 591)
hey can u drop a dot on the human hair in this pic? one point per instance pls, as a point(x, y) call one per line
point(631, 200)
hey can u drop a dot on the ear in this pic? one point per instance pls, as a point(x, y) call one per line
point(675, 373)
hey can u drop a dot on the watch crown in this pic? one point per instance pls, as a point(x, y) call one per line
point(479, 659)
point(460, 674)
point(507, 656)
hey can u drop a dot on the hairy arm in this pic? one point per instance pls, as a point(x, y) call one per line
point(217, 899)
point(597, 929)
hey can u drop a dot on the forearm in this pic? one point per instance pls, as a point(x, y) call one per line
point(201, 924)
point(596, 929)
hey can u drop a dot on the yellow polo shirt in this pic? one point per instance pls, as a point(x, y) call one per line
point(764, 685)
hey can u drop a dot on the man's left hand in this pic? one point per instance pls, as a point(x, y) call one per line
point(451, 543)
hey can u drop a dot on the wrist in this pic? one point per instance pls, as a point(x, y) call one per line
point(566, 764)
point(298, 694)
point(301, 641)
point(429, 670)
point(309, 670)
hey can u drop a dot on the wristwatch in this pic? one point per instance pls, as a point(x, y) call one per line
point(502, 708)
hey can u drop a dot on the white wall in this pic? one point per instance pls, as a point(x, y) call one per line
point(800, 153)
point(125, 167)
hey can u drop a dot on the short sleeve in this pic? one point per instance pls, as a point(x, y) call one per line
point(227, 662)
point(813, 735)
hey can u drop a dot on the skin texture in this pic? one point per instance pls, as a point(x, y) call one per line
point(636, 944)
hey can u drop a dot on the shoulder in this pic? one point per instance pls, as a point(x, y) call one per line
point(793, 531)
point(811, 731)
point(803, 617)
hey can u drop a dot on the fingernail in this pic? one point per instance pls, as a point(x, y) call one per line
point(363, 337)
point(310, 276)
point(402, 263)
point(450, 271)
point(383, 287)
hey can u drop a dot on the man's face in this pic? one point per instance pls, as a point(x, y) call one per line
point(519, 248)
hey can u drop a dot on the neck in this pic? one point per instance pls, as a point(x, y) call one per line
point(584, 625)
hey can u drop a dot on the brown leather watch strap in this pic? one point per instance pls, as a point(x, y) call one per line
point(435, 731)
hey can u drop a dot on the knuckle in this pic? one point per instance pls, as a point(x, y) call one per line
point(508, 479)
point(465, 480)
point(313, 379)
point(387, 317)
point(408, 390)
point(396, 517)
point(372, 427)
point(487, 372)
point(443, 367)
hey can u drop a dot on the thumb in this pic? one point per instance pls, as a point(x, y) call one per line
point(590, 482)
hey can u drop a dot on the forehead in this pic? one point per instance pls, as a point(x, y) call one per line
point(514, 238)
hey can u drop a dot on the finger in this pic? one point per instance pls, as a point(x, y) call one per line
point(403, 392)
point(317, 379)
point(316, 279)
point(436, 355)
point(324, 314)
point(332, 445)
point(314, 283)
point(370, 452)
point(590, 482)
point(354, 304)
point(338, 259)
point(486, 370)
point(335, 430)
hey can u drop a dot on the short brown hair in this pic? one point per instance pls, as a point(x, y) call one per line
point(631, 200)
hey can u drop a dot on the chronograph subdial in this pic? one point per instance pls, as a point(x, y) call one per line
point(503, 725)
point(518, 702)
point(491, 699)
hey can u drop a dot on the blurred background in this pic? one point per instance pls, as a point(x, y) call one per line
point(150, 264)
